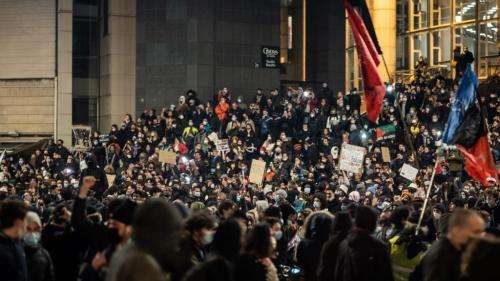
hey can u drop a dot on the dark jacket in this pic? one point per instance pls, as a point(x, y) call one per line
point(308, 253)
point(12, 260)
point(215, 269)
point(328, 260)
point(39, 263)
point(363, 258)
point(248, 268)
point(63, 246)
point(442, 262)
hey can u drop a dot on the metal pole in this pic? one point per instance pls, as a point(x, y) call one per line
point(386, 69)
point(427, 197)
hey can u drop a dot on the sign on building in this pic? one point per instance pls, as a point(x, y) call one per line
point(270, 57)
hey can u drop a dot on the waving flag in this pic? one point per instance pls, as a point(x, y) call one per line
point(465, 96)
point(368, 55)
point(467, 130)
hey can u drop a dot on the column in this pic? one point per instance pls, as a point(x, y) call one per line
point(384, 20)
point(64, 73)
point(118, 64)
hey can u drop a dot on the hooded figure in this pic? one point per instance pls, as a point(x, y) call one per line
point(148, 257)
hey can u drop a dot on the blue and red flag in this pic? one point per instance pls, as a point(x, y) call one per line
point(466, 128)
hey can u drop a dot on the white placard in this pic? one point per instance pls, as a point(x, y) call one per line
point(408, 172)
point(222, 145)
point(351, 158)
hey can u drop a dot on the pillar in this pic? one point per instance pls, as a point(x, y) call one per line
point(384, 20)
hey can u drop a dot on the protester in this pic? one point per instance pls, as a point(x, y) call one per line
point(38, 260)
point(86, 198)
point(362, 257)
point(12, 230)
point(442, 261)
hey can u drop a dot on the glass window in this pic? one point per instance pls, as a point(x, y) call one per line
point(465, 10)
point(402, 24)
point(420, 14)
point(488, 48)
point(420, 46)
point(402, 53)
point(488, 9)
point(440, 12)
point(440, 47)
point(465, 37)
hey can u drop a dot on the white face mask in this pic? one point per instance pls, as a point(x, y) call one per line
point(278, 235)
point(307, 190)
point(317, 205)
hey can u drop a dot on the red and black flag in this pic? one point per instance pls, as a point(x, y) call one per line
point(368, 54)
point(471, 139)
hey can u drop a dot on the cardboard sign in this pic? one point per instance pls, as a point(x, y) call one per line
point(408, 172)
point(167, 157)
point(386, 154)
point(111, 179)
point(213, 137)
point(351, 158)
point(257, 171)
point(222, 145)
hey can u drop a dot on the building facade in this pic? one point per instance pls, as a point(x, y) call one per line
point(90, 62)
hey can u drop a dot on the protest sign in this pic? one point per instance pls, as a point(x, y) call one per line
point(351, 158)
point(111, 179)
point(257, 171)
point(213, 137)
point(167, 157)
point(222, 145)
point(408, 172)
point(386, 154)
point(80, 137)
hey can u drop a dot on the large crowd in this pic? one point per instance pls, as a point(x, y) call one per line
point(114, 211)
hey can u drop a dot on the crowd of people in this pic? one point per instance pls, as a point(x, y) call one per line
point(114, 211)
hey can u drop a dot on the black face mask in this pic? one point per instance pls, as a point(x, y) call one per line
point(113, 236)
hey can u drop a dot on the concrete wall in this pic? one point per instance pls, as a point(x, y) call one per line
point(203, 45)
point(27, 106)
point(118, 64)
point(27, 66)
point(27, 39)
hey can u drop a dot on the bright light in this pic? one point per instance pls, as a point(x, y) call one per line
point(184, 159)
point(306, 93)
point(389, 88)
point(364, 135)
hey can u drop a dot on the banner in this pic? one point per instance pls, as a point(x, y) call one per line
point(167, 157)
point(213, 137)
point(408, 172)
point(351, 158)
point(257, 171)
point(270, 56)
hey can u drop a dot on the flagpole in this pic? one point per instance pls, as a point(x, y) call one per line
point(386, 68)
point(426, 200)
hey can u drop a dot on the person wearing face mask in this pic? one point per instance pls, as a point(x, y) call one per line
point(12, 229)
point(198, 234)
point(39, 263)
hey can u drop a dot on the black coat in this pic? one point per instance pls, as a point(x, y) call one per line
point(326, 267)
point(308, 253)
point(442, 262)
point(64, 248)
point(363, 258)
point(248, 268)
point(12, 260)
point(39, 263)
